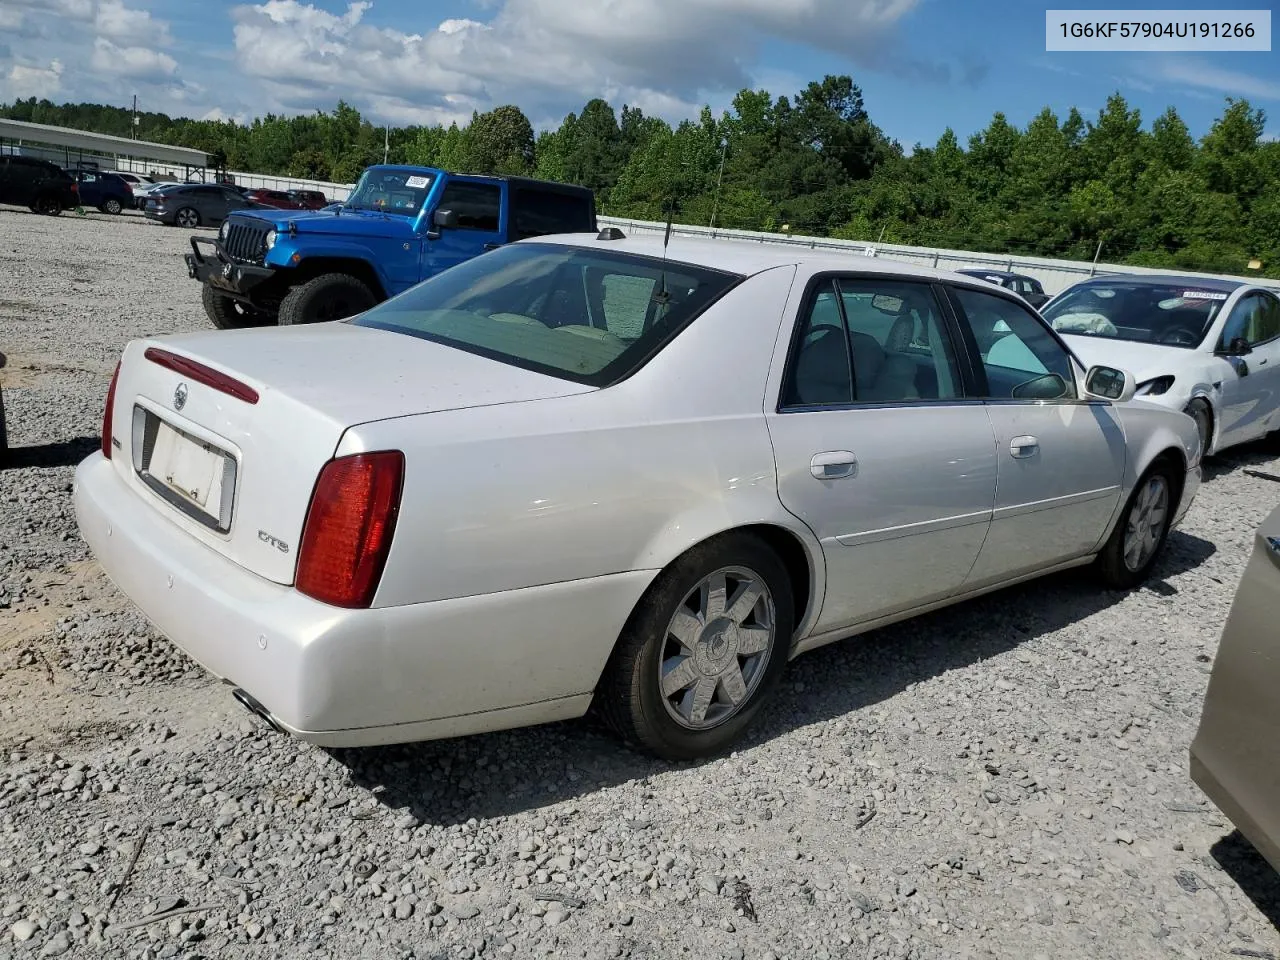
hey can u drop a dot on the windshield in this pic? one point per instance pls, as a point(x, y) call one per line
point(391, 191)
point(585, 315)
point(1176, 315)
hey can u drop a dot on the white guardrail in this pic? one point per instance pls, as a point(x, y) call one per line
point(1054, 275)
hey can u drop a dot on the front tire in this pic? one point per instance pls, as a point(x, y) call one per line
point(1200, 411)
point(330, 296)
point(187, 217)
point(1134, 545)
point(227, 313)
point(702, 650)
point(112, 206)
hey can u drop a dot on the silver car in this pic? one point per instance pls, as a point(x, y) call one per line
point(590, 469)
point(1235, 757)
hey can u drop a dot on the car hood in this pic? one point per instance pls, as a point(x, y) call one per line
point(346, 223)
point(1143, 360)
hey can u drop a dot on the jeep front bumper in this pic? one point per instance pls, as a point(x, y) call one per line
point(221, 272)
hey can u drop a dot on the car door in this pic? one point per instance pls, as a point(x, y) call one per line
point(6, 181)
point(1061, 459)
point(877, 449)
point(478, 207)
point(1251, 392)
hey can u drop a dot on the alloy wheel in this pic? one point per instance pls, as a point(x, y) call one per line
point(1145, 524)
point(716, 648)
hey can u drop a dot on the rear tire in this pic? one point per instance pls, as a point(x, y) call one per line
point(47, 206)
point(330, 296)
point(227, 313)
point(683, 659)
point(1140, 534)
point(1200, 411)
point(112, 206)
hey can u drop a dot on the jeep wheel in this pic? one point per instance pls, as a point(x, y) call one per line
point(331, 296)
point(47, 206)
point(228, 313)
point(111, 205)
point(187, 217)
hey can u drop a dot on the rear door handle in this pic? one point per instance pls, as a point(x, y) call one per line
point(1023, 448)
point(833, 465)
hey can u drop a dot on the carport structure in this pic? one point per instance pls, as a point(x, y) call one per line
point(70, 147)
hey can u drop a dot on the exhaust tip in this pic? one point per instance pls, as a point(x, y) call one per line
point(258, 710)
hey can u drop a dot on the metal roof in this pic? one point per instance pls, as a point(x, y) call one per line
point(83, 140)
point(1220, 284)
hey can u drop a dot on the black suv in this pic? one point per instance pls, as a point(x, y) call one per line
point(1026, 287)
point(43, 186)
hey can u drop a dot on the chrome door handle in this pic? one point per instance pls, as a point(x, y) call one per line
point(1024, 447)
point(833, 465)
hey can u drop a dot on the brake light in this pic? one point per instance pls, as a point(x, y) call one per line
point(201, 373)
point(106, 414)
point(349, 526)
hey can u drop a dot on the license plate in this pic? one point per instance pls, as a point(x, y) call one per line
point(192, 470)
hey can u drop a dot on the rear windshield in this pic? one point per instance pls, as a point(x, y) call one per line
point(591, 316)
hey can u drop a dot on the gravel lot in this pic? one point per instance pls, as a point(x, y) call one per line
point(1004, 779)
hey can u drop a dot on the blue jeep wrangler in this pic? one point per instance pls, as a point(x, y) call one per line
point(400, 226)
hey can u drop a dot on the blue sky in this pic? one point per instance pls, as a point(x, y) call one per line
point(923, 65)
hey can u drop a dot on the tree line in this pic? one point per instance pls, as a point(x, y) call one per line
point(816, 163)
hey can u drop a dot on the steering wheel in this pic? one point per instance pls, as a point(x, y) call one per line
point(1179, 336)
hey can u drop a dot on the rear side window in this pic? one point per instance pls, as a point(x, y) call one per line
point(586, 315)
point(536, 213)
point(476, 204)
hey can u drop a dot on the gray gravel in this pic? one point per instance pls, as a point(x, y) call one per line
point(1004, 779)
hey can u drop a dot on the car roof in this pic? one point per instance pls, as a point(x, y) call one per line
point(746, 258)
point(1218, 284)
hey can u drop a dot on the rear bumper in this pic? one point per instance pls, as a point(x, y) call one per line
point(357, 677)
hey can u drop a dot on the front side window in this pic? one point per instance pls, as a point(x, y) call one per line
point(1020, 358)
point(477, 205)
point(1177, 315)
point(1256, 318)
point(585, 315)
point(871, 341)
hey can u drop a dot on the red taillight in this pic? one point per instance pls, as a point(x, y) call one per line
point(201, 373)
point(106, 414)
point(349, 526)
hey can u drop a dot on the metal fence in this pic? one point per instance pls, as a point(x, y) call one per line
point(1054, 275)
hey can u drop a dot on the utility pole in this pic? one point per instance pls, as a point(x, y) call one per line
point(386, 143)
point(715, 205)
point(1096, 254)
point(133, 129)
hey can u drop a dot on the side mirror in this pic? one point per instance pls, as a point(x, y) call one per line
point(1238, 347)
point(1109, 383)
point(445, 219)
point(1050, 386)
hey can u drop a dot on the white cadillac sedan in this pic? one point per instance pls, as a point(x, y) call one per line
point(1208, 347)
point(571, 471)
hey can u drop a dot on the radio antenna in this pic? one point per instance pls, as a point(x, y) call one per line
point(663, 296)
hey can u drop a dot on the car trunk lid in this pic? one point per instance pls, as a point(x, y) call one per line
point(227, 431)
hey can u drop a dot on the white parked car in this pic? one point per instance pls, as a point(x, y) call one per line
point(570, 471)
point(1208, 347)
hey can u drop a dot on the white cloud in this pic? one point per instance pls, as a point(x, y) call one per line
point(1197, 73)
point(138, 62)
point(664, 55)
point(117, 22)
point(24, 80)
